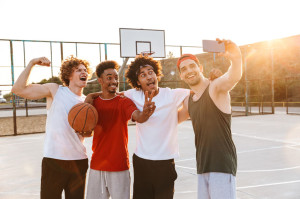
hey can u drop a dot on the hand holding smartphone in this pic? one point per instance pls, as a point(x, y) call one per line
point(213, 46)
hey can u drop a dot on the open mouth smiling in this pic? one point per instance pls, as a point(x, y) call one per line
point(83, 78)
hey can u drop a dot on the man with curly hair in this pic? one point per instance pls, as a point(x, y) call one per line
point(65, 160)
point(156, 147)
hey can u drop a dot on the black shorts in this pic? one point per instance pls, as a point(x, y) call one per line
point(153, 178)
point(67, 175)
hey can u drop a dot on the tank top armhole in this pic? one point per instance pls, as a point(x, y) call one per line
point(212, 101)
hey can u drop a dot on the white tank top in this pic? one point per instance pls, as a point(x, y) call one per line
point(61, 142)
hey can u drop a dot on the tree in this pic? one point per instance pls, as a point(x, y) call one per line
point(170, 55)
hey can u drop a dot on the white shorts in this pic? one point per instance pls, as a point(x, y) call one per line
point(103, 184)
point(216, 185)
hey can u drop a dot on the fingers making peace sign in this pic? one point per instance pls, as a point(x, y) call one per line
point(149, 106)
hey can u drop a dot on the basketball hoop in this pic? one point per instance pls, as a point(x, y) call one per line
point(147, 53)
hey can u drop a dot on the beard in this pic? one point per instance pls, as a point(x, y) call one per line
point(194, 82)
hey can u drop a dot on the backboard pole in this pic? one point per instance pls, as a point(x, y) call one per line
point(123, 65)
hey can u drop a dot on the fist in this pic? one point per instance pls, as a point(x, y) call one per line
point(215, 73)
point(43, 61)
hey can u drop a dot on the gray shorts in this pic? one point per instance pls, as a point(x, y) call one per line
point(103, 184)
point(216, 186)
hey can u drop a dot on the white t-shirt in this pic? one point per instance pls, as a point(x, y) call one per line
point(157, 137)
point(61, 142)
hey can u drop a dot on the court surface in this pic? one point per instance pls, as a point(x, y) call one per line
point(268, 149)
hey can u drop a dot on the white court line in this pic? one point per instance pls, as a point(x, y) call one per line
point(15, 143)
point(270, 184)
point(254, 150)
point(267, 139)
point(185, 159)
point(252, 186)
point(183, 192)
point(292, 147)
point(269, 170)
point(14, 193)
point(249, 171)
point(269, 148)
point(186, 167)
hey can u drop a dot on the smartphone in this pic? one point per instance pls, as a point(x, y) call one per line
point(213, 46)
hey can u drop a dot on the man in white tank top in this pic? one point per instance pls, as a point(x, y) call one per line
point(65, 161)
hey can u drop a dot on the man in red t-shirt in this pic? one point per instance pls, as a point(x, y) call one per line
point(109, 170)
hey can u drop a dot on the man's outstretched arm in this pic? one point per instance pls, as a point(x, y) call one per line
point(226, 82)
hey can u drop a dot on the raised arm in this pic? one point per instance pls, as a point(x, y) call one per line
point(148, 109)
point(33, 91)
point(226, 82)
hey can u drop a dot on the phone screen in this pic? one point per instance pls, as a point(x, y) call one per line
point(213, 46)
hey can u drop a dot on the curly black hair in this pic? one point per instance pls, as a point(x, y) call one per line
point(100, 68)
point(134, 68)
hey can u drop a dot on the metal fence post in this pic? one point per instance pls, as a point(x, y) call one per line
point(246, 83)
point(286, 96)
point(12, 83)
point(272, 75)
point(24, 54)
point(76, 49)
point(51, 59)
point(61, 51)
point(100, 52)
point(105, 47)
point(180, 51)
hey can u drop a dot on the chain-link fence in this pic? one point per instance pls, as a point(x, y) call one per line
point(292, 95)
point(258, 92)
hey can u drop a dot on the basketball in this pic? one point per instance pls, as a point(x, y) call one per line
point(83, 117)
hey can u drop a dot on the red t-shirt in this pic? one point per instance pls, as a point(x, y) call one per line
point(110, 142)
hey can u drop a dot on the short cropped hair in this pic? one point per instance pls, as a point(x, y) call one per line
point(134, 68)
point(68, 65)
point(106, 65)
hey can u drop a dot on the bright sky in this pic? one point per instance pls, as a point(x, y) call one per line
point(186, 22)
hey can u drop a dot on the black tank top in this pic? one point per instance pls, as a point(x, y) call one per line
point(215, 150)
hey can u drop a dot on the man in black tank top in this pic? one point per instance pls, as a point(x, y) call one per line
point(210, 111)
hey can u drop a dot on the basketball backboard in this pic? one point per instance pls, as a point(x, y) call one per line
point(137, 41)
